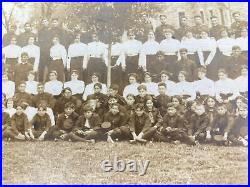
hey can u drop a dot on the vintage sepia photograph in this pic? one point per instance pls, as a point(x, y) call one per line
point(124, 93)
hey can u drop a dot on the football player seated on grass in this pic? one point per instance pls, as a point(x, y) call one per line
point(117, 120)
point(140, 125)
point(239, 132)
point(173, 128)
point(87, 126)
point(65, 123)
point(221, 125)
point(20, 127)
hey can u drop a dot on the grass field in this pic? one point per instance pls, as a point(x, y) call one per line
point(80, 163)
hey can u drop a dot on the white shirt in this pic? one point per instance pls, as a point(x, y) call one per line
point(243, 43)
point(226, 86)
point(98, 50)
point(12, 51)
point(77, 50)
point(225, 45)
point(192, 45)
point(10, 111)
point(87, 123)
point(58, 51)
point(150, 47)
point(118, 50)
point(171, 88)
point(89, 90)
point(152, 88)
point(205, 86)
point(76, 86)
point(241, 83)
point(186, 88)
point(132, 47)
point(33, 52)
point(8, 87)
point(130, 89)
point(53, 87)
point(31, 87)
point(170, 46)
point(208, 44)
point(30, 112)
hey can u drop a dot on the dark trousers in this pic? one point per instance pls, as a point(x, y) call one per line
point(76, 64)
point(180, 135)
point(11, 64)
point(57, 65)
point(132, 66)
point(97, 65)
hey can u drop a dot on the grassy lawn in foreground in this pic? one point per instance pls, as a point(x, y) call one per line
point(80, 163)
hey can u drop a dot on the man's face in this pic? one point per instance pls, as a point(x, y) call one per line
point(114, 110)
point(132, 80)
point(201, 74)
point(54, 23)
point(244, 33)
point(171, 111)
point(40, 89)
point(97, 89)
point(151, 36)
point(77, 39)
point(131, 36)
point(183, 54)
point(27, 27)
point(176, 102)
point(214, 21)
point(164, 77)
point(243, 112)
point(68, 111)
point(163, 19)
point(130, 100)
point(236, 52)
point(236, 17)
point(168, 35)
point(88, 114)
point(41, 112)
point(45, 22)
point(67, 94)
point(112, 101)
point(197, 21)
point(204, 35)
point(160, 57)
point(199, 110)
point(94, 37)
point(112, 92)
point(142, 92)
point(55, 40)
point(221, 110)
point(162, 90)
point(10, 104)
point(224, 34)
point(22, 87)
point(139, 112)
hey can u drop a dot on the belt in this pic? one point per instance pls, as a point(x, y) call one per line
point(169, 54)
point(132, 55)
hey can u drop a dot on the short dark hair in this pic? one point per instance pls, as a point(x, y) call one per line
point(140, 106)
point(114, 87)
point(162, 84)
point(69, 105)
point(98, 85)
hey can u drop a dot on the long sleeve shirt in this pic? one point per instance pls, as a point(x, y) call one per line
point(132, 47)
point(57, 52)
point(33, 52)
point(225, 87)
point(170, 46)
point(152, 88)
point(118, 50)
point(225, 45)
point(150, 47)
point(41, 123)
point(12, 51)
point(77, 50)
point(8, 88)
point(31, 87)
point(98, 50)
point(241, 83)
point(76, 86)
point(139, 124)
point(208, 44)
point(243, 43)
point(53, 87)
point(20, 123)
point(93, 122)
point(130, 89)
point(205, 86)
point(186, 88)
